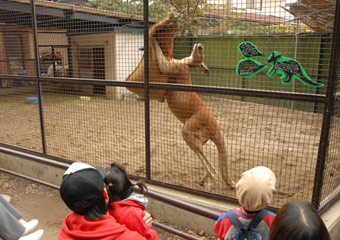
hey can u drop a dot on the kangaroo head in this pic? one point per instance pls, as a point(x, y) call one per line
point(197, 56)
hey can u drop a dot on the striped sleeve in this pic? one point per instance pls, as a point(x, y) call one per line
point(269, 218)
point(222, 226)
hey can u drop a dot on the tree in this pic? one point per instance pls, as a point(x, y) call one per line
point(191, 14)
point(190, 11)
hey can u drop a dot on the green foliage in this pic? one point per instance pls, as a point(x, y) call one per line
point(285, 28)
point(190, 11)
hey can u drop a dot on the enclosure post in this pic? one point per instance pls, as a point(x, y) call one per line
point(69, 54)
point(146, 88)
point(53, 62)
point(297, 32)
point(37, 64)
point(328, 111)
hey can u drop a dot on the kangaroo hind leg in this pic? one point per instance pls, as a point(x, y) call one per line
point(196, 138)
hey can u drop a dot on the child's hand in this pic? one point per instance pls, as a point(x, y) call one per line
point(147, 218)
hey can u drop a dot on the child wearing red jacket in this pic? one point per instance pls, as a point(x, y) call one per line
point(82, 189)
point(124, 205)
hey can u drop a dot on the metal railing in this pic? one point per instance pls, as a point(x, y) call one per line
point(205, 212)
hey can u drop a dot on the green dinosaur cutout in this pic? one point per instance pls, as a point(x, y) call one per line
point(289, 69)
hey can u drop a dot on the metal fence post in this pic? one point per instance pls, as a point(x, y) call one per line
point(37, 63)
point(146, 88)
point(328, 111)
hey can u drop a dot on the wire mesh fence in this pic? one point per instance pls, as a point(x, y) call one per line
point(214, 89)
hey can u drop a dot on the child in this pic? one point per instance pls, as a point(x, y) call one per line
point(254, 191)
point(124, 205)
point(298, 220)
point(12, 226)
point(82, 189)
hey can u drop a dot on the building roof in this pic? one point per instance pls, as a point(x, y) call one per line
point(246, 16)
point(75, 19)
point(316, 14)
point(73, 2)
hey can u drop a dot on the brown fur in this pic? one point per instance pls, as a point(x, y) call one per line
point(163, 33)
point(200, 124)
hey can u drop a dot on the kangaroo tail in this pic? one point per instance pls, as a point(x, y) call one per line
point(309, 82)
point(222, 158)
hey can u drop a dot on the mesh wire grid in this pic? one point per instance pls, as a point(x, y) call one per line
point(95, 115)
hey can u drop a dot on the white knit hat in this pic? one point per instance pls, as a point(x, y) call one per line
point(255, 188)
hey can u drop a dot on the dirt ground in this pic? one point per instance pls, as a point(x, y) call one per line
point(99, 131)
point(36, 201)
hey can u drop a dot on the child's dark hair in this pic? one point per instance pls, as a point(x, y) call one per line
point(298, 221)
point(91, 209)
point(118, 184)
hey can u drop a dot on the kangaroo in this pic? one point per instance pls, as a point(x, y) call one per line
point(199, 123)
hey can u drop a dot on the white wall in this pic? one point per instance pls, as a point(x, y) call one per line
point(105, 40)
point(128, 56)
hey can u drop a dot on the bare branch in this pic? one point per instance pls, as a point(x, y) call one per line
point(197, 3)
point(172, 4)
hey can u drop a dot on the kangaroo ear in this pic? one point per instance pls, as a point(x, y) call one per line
point(204, 68)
